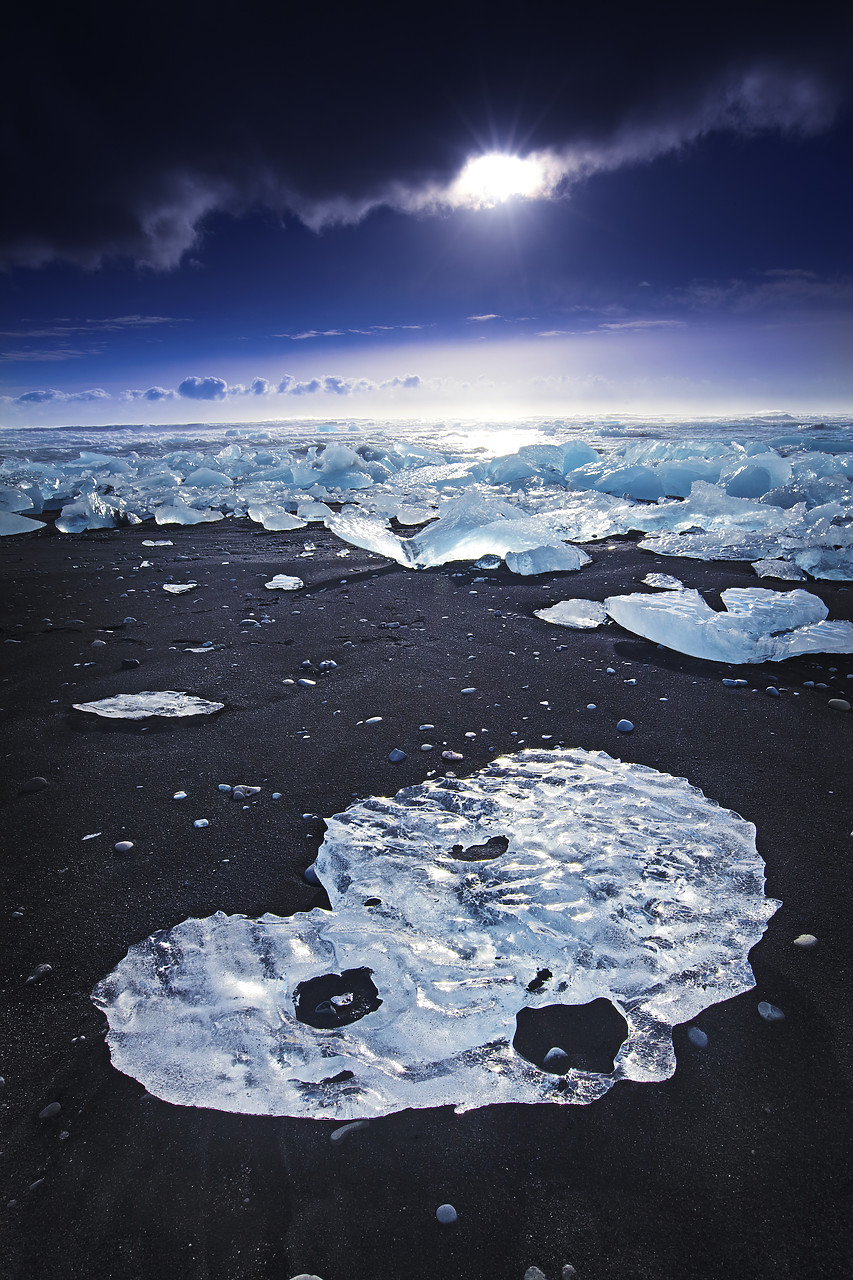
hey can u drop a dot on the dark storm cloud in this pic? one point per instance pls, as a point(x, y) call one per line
point(126, 128)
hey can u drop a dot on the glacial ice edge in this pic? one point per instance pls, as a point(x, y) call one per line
point(549, 878)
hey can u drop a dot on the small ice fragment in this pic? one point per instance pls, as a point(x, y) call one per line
point(163, 542)
point(770, 1012)
point(805, 940)
point(446, 1214)
point(224, 786)
point(281, 582)
point(201, 822)
point(373, 720)
point(40, 971)
point(556, 1060)
point(664, 581)
point(178, 588)
point(242, 791)
point(345, 1130)
point(473, 690)
point(306, 683)
point(276, 795)
point(581, 614)
point(488, 562)
point(839, 704)
point(396, 756)
point(772, 691)
point(123, 846)
point(327, 664)
point(179, 795)
point(52, 1109)
point(126, 622)
point(138, 706)
point(568, 1272)
point(625, 726)
point(629, 681)
point(93, 835)
point(590, 706)
point(611, 671)
point(452, 755)
point(697, 1037)
point(98, 643)
point(533, 1273)
point(423, 728)
point(782, 569)
point(427, 746)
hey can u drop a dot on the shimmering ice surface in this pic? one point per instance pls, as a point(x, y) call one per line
point(160, 702)
point(729, 489)
point(624, 884)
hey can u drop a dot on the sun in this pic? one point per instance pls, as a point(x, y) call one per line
point(493, 178)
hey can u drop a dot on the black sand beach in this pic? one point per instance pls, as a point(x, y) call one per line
point(736, 1166)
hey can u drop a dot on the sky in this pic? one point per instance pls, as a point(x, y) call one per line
point(255, 212)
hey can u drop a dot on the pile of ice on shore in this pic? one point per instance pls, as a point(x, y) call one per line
point(789, 499)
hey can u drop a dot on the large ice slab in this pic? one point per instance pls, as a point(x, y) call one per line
point(139, 706)
point(550, 878)
point(759, 625)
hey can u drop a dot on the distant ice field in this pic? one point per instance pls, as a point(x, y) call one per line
point(763, 488)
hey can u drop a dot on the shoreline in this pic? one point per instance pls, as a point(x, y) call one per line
point(747, 1128)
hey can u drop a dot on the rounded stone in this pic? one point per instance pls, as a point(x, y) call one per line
point(32, 785)
point(557, 1060)
point(839, 704)
point(52, 1109)
point(625, 726)
point(446, 1214)
point(772, 691)
point(123, 846)
point(201, 822)
point(697, 1037)
point(397, 756)
point(770, 1012)
point(805, 940)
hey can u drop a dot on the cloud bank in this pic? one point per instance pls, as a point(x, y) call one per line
point(327, 119)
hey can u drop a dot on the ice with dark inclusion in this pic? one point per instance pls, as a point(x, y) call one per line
point(562, 881)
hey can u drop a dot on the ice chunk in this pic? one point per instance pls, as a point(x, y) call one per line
point(137, 706)
point(553, 559)
point(759, 626)
point(781, 569)
point(664, 581)
point(281, 582)
point(272, 517)
point(11, 522)
point(618, 882)
point(178, 588)
point(826, 563)
point(177, 512)
point(206, 478)
point(14, 500)
point(584, 614)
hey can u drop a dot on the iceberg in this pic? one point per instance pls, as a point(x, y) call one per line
point(562, 880)
point(583, 614)
point(759, 625)
point(11, 522)
point(138, 706)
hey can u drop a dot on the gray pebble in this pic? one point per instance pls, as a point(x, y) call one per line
point(306, 683)
point(40, 971)
point(427, 746)
point(32, 785)
point(769, 1012)
point(127, 622)
point(452, 755)
point(52, 1109)
point(346, 1129)
point(446, 1214)
point(697, 1037)
point(805, 940)
point(242, 791)
point(276, 795)
point(123, 846)
point(129, 663)
point(98, 644)
point(772, 691)
point(425, 728)
point(201, 822)
point(533, 1273)
point(625, 726)
point(397, 756)
point(556, 1060)
point(472, 690)
point(310, 875)
point(839, 704)
point(224, 786)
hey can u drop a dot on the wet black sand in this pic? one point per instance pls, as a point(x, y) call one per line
point(736, 1166)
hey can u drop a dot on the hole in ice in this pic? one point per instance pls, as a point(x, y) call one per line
point(589, 1035)
point(373, 902)
point(336, 999)
point(539, 981)
point(492, 848)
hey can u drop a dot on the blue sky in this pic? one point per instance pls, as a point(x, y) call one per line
point(681, 245)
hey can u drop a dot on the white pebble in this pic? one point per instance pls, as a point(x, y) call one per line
point(374, 720)
point(179, 795)
point(590, 706)
point(427, 746)
point(123, 846)
point(306, 684)
point(446, 1214)
point(201, 822)
point(805, 940)
point(424, 728)
point(468, 690)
